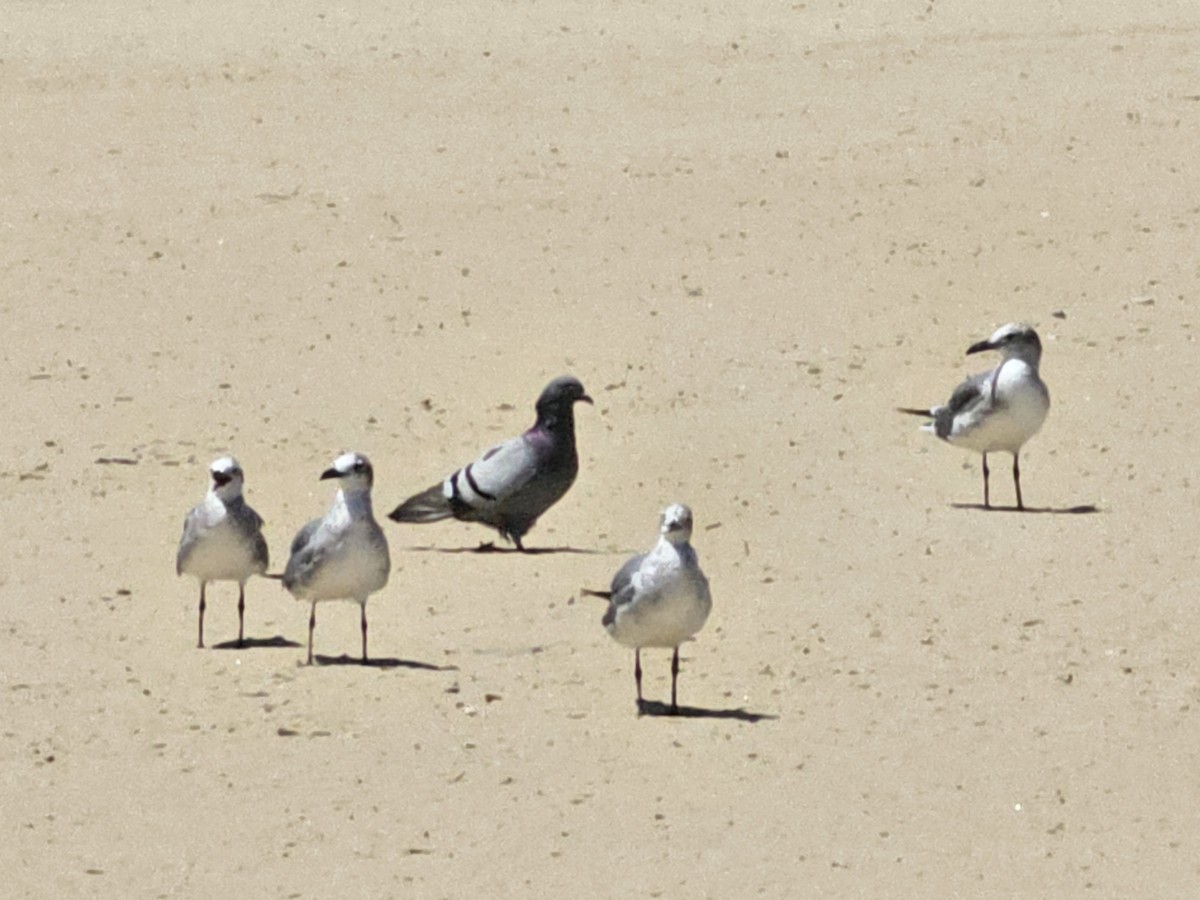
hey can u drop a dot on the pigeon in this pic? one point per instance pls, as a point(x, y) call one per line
point(996, 410)
point(660, 598)
point(344, 555)
point(512, 484)
point(222, 539)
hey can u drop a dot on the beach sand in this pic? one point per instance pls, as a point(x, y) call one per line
point(285, 233)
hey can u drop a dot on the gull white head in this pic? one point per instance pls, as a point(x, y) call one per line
point(226, 479)
point(676, 523)
point(353, 471)
point(1016, 340)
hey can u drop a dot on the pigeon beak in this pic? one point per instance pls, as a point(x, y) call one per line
point(330, 473)
point(980, 347)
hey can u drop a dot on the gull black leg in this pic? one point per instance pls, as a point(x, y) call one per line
point(364, 631)
point(241, 614)
point(637, 672)
point(987, 502)
point(312, 624)
point(200, 639)
point(674, 678)
point(1017, 479)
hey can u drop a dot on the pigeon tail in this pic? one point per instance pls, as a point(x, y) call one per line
point(428, 506)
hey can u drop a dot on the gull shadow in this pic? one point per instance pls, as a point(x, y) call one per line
point(489, 547)
point(1083, 510)
point(658, 709)
point(381, 662)
point(254, 643)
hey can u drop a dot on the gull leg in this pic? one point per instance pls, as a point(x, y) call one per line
point(312, 623)
point(364, 628)
point(674, 678)
point(637, 672)
point(241, 613)
point(200, 640)
point(1017, 479)
point(986, 498)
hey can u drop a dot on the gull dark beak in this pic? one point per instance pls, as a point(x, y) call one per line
point(220, 479)
point(330, 473)
point(980, 346)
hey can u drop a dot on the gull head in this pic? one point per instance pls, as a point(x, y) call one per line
point(676, 523)
point(353, 470)
point(1016, 340)
point(227, 478)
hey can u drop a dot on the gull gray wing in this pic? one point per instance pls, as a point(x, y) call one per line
point(305, 556)
point(622, 590)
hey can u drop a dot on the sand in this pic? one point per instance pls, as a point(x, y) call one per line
point(291, 231)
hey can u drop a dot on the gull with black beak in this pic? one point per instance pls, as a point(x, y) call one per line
point(222, 539)
point(344, 555)
point(511, 485)
point(660, 598)
point(998, 410)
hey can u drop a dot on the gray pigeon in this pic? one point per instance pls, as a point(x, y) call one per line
point(344, 555)
point(996, 410)
point(512, 484)
point(222, 539)
point(660, 598)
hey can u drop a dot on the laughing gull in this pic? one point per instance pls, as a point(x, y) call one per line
point(344, 555)
point(512, 484)
point(660, 598)
point(996, 410)
point(222, 539)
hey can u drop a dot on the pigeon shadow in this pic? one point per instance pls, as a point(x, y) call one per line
point(1083, 510)
point(381, 662)
point(492, 548)
point(254, 643)
point(656, 708)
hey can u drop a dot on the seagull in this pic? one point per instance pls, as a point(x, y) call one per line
point(996, 410)
point(344, 555)
point(512, 484)
point(222, 539)
point(660, 598)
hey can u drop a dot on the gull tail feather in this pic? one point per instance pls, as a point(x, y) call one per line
point(428, 506)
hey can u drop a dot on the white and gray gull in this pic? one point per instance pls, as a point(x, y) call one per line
point(660, 598)
point(996, 410)
point(512, 484)
point(222, 539)
point(343, 555)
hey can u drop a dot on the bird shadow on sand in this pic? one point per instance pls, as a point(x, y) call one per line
point(492, 548)
point(380, 662)
point(255, 643)
point(655, 708)
point(1083, 510)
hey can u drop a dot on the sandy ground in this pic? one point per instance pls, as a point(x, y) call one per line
point(293, 232)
